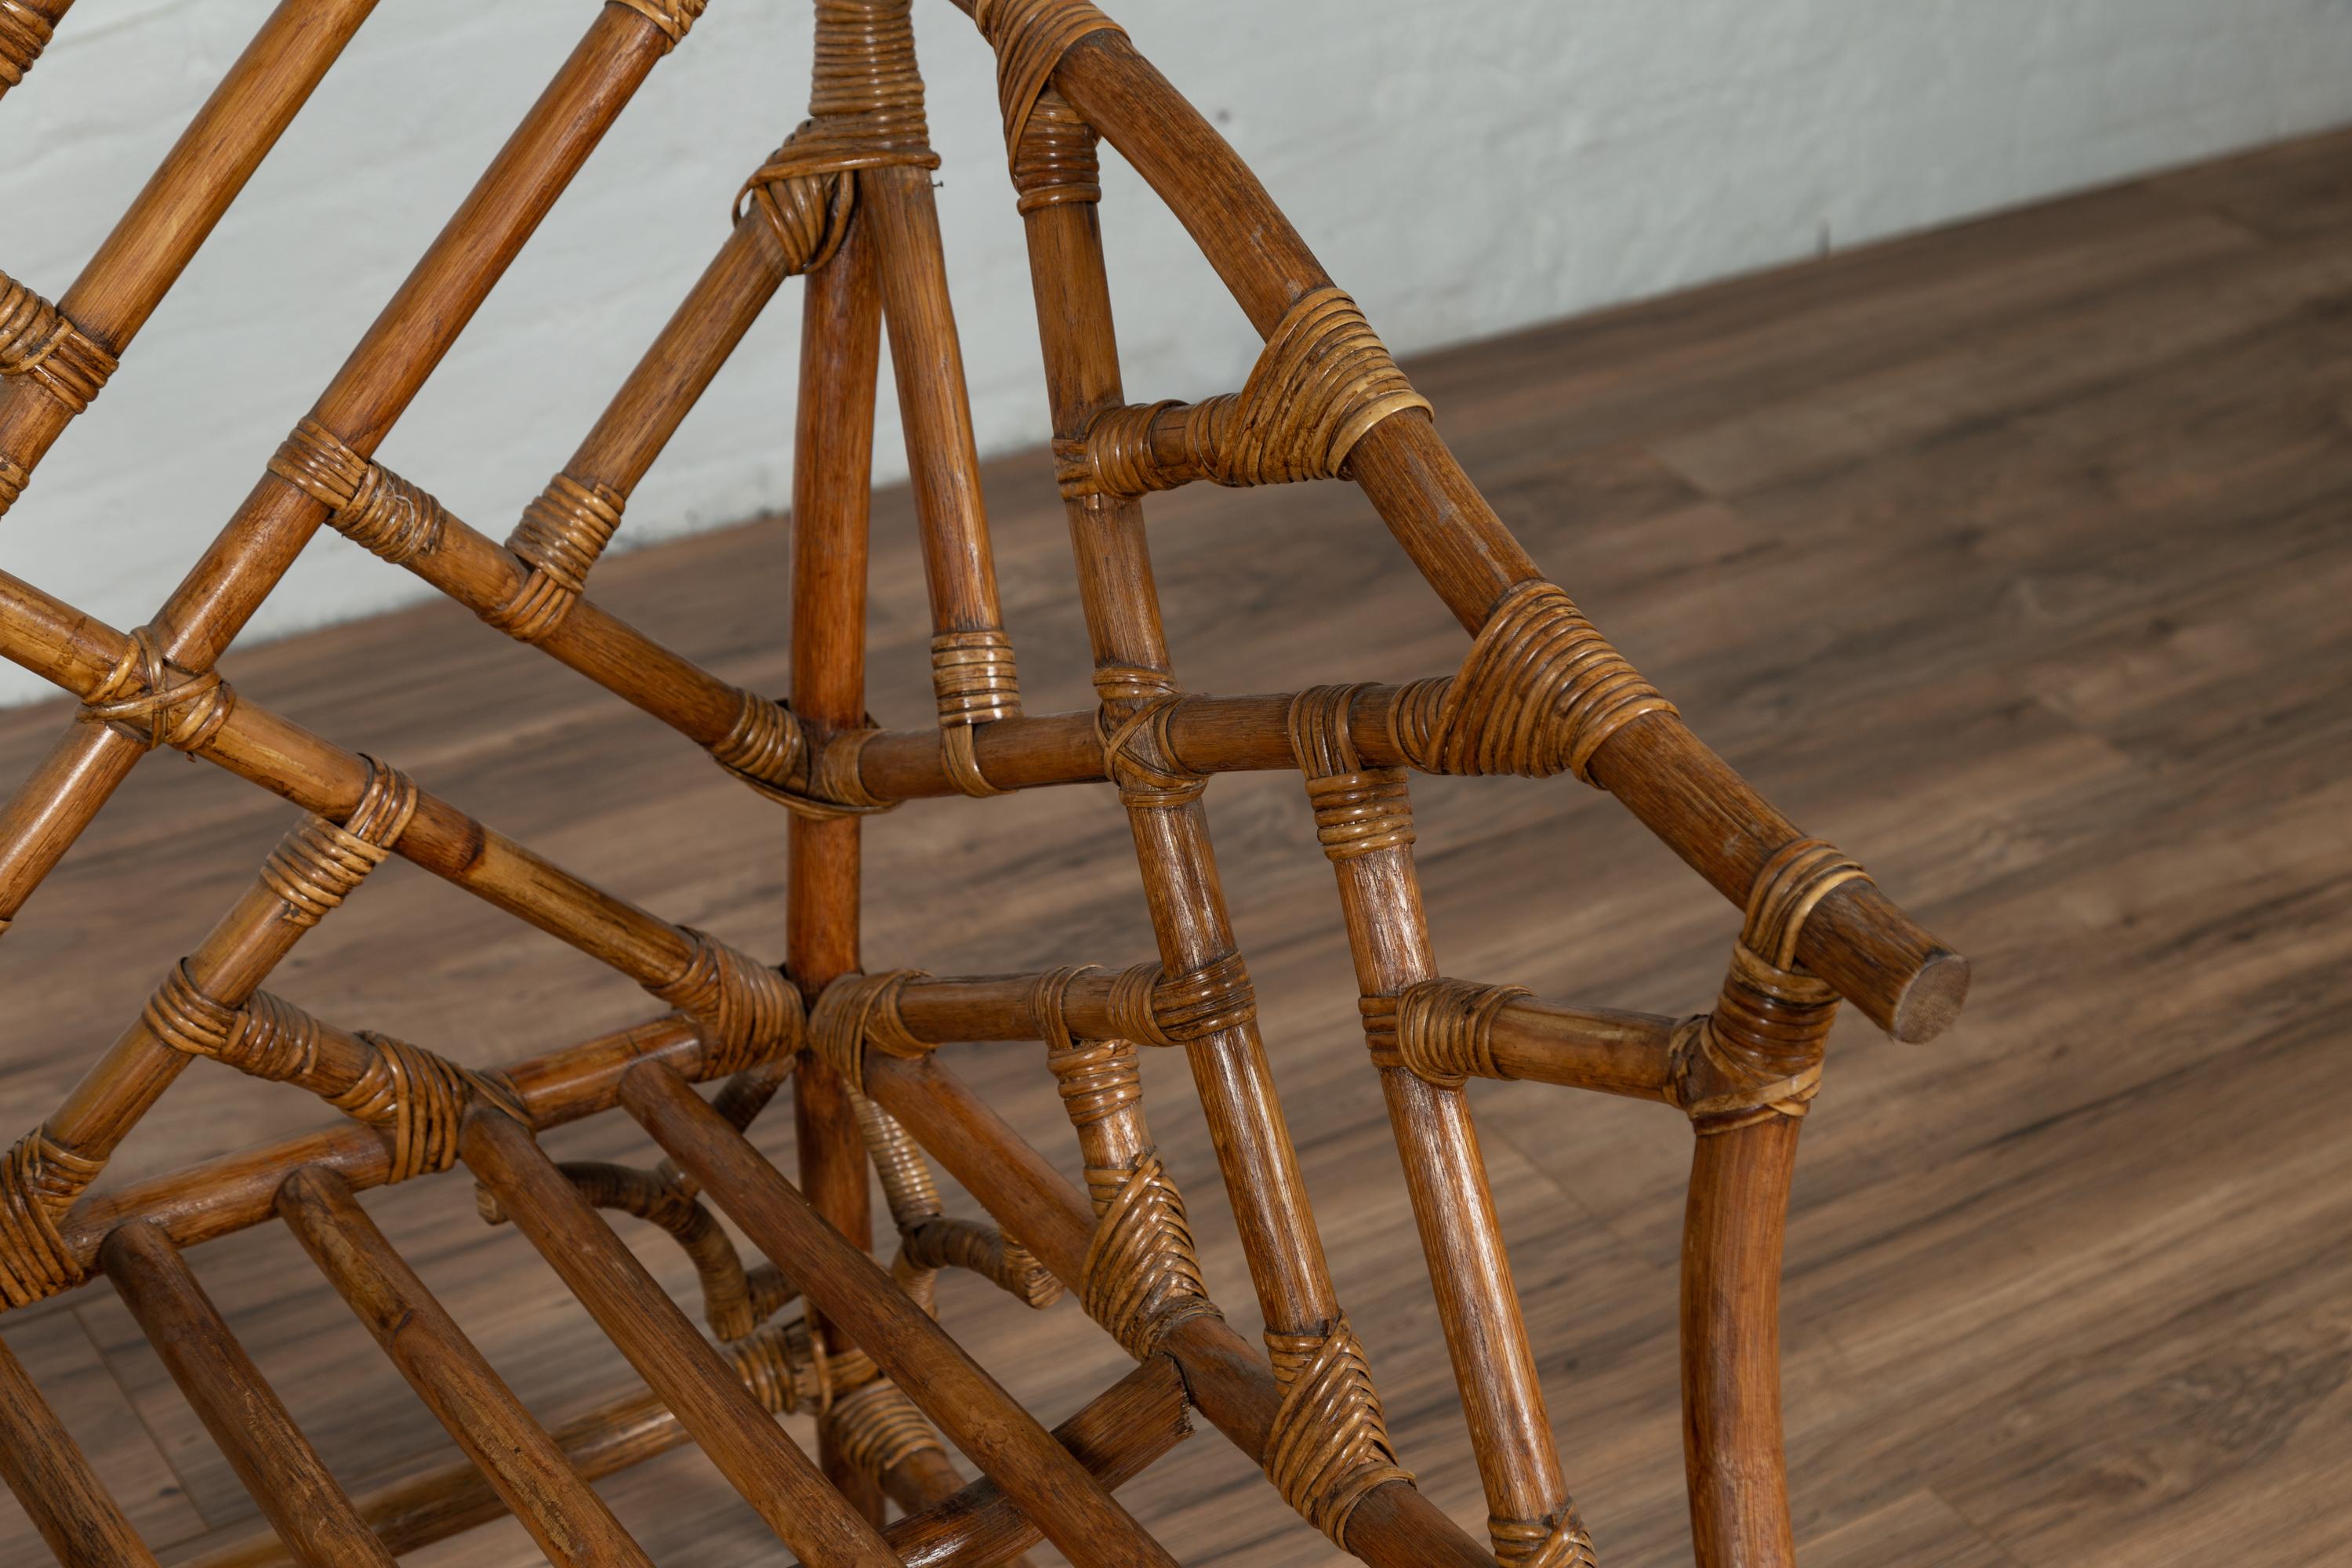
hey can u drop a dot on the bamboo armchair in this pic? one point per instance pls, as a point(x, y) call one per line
point(847, 202)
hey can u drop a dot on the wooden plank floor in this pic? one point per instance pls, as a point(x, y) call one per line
point(2014, 558)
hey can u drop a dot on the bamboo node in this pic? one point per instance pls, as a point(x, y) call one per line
point(877, 1429)
point(857, 1010)
point(1142, 1276)
point(366, 502)
point(1541, 691)
point(37, 341)
point(1560, 1542)
point(1030, 37)
point(39, 1181)
point(1445, 1030)
point(566, 527)
point(1131, 725)
point(805, 195)
point(24, 34)
point(1323, 380)
point(157, 702)
point(744, 1011)
point(1328, 1446)
point(1053, 161)
point(673, 17)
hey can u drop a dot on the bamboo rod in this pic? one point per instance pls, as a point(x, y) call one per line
point(765, 1467)
point(538, 1485)
point(1732, 1235)
point(360, 405)
point(833, 464)
point(173, 213)
point(1168, 826)
point(1364, 820)
point(237, 1191)
point(943, 456)
point(1231, 1383)
point(54, 1483)
point(1859, 940)
point(1065, 1501)
point(1118, 1434)
point(52, 638)
point(245, 1419)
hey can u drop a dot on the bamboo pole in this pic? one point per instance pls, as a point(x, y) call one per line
point(173, 213)
point(532, 1478)
point(196, 623)
point(245, 1417)
point(51, 1476)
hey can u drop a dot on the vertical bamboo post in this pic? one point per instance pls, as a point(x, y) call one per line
point(1732, 1234)
point(833, 462)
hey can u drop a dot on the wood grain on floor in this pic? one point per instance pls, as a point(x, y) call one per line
point(2012, 557)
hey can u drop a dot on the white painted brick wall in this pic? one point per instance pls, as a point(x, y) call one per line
point(1463, 166)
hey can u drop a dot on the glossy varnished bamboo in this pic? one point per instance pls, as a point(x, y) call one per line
point(528, 1472)
point(245, 1419)
point(1074, 1510)
point(765, 1467)
point(51, 1476)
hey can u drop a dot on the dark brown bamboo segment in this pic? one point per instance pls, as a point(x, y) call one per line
point(1364, 820)
point(360, 405)
point(529, 1473)
point(758, 1458)
point(271, 1456)
point(52, 1479)
point(943, 458)
point(1230, 1383)
point(1859, 940)
point(833, 465)
point(1075, 1512)
point(1170, 828)
point(170, 218)
point(1732, 1450)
